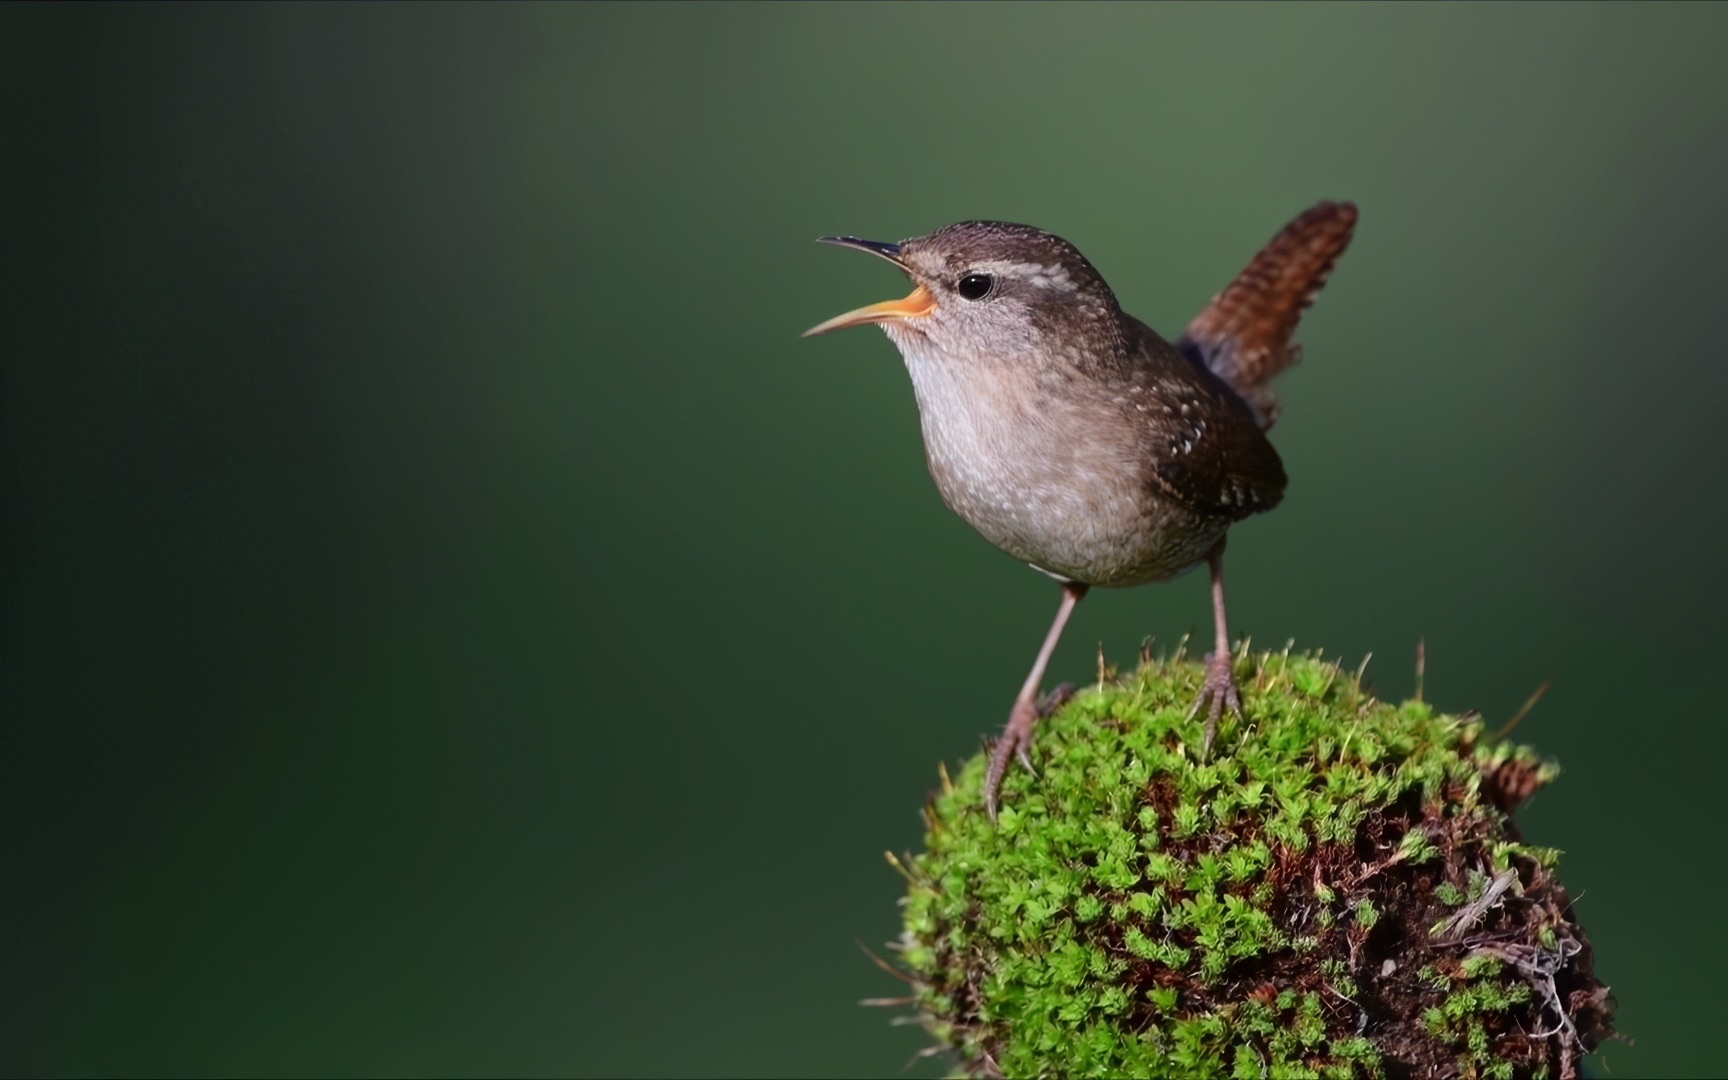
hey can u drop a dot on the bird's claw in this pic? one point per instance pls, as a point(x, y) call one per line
point(1218, 693)
point(1024, 754)
point(1015, 742)
point(1059, 696)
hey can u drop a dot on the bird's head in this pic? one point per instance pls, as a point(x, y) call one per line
point(986, 288)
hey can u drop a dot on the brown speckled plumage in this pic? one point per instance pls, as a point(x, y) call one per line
point(1068, 432)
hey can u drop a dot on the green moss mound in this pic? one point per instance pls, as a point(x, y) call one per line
point(1339, 891)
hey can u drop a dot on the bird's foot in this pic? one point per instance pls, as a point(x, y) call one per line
point(1016, 741)
point(1216, 694)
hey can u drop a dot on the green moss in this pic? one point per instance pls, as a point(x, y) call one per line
point(1290, 907)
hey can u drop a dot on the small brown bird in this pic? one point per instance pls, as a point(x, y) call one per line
point(1074, 437)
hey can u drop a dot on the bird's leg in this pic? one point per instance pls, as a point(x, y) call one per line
point(1219, 689)
point(1016, 738)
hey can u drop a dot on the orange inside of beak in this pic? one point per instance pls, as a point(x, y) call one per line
point(916, 305)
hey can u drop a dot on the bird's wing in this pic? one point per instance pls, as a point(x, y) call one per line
point(1211, 455)
point(1243, 335)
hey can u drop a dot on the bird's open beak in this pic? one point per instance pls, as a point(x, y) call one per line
point(917, 305)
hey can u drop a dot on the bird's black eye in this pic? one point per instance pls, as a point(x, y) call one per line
point(975, 286)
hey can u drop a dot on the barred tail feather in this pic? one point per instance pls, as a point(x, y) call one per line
point(1244, 335)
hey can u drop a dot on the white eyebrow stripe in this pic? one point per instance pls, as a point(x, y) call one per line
point(1045, 275)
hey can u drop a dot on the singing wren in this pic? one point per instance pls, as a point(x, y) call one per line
point(1078, 440)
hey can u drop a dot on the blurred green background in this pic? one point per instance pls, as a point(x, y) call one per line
point(453, 625)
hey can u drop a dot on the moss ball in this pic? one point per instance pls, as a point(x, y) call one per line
point(1339, 891)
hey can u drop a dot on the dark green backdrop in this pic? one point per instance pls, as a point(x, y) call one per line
point(454, 625)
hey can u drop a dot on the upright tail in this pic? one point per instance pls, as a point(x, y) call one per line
point(1243, 336)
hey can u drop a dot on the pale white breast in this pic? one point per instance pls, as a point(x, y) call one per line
point(1003, 456)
